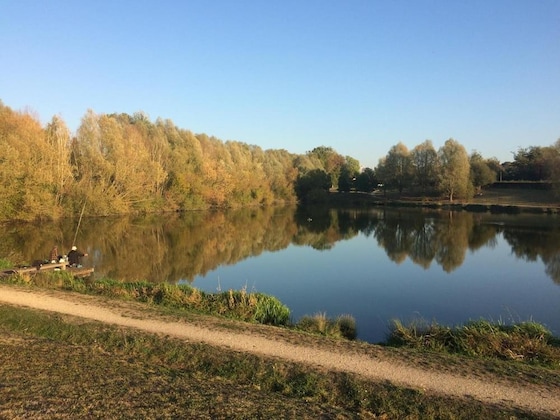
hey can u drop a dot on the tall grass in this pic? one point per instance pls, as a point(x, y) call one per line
point(527, 341)
point(343, 326)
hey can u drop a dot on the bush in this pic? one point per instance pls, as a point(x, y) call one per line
point(347, 326)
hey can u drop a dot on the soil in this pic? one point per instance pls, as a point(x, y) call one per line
point(368, 361)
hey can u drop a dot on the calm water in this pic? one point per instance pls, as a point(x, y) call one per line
point(377, 265)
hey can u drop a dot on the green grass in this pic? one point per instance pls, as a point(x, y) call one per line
point(4, 263)
point(53, 366)
point(528, 342)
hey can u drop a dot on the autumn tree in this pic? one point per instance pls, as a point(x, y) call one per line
point(28, 179)
point(397, 167)
point(454, 170)
point(185, 185)
point(425, 165)
point(352, 165)
point(58, 138)
point(280, 173)
point(114, 166)
point(331, 161)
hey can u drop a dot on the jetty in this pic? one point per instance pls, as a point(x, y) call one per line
point(56, 266)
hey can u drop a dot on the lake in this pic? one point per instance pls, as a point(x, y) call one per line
point(376, 264)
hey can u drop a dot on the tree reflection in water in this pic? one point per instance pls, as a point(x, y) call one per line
point(174, 247)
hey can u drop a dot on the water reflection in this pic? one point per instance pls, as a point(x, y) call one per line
point(176, 247)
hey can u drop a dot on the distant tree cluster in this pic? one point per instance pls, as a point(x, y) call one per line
point(323, 169)
point(451, 172)
point(534, 163)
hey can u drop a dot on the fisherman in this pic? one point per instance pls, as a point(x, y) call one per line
point(75, 257)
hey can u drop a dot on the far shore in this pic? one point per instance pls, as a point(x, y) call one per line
point(492, 199)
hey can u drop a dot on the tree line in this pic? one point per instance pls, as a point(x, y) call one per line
point(450, 171)
point(127, 164)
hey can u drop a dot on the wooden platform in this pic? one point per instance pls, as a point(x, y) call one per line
point(59, 266)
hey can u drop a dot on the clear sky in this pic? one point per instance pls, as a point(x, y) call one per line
point(356, 75)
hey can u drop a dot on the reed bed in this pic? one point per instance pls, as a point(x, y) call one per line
point(528, 341)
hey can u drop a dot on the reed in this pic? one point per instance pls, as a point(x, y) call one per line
point(528, 341)
point(342, 327)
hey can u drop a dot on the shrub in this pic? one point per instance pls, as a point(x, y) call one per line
point(270, 310)
point(347, 326)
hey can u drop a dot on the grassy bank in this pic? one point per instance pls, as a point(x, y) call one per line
point(527, 342)
point(236, 304)
point(53, 366)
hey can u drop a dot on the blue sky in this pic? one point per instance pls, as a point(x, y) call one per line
point(358, 76)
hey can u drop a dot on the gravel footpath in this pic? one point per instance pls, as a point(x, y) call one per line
point(536, 399)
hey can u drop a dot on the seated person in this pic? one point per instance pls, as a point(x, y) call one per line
point(75, 257)
point(54, 255)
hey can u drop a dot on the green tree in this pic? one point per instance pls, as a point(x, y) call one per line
point(316, 182)
point(366, 180)
point(348, 173)
point(346, 179)
point(534, 163)
point(481, 173)
point(555, 173)
point(454, 170)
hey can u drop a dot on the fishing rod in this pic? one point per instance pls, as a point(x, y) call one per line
point(79, 221)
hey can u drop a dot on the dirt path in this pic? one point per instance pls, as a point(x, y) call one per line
point(533, 398)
